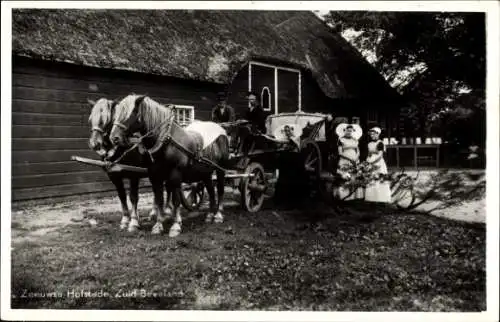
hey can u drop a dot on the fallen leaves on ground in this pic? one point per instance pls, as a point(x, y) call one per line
point(367, 259)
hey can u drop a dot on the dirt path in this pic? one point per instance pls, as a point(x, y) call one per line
point(30, 222)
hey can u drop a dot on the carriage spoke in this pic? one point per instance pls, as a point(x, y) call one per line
point(253, 187)
point(311, 162)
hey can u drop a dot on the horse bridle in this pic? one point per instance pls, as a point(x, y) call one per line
point(121, 126)
point(97, 129)
point(162, 139)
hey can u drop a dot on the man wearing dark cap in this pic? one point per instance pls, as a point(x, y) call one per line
point(222, 112)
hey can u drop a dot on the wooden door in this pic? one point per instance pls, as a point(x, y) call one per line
point(288, 91)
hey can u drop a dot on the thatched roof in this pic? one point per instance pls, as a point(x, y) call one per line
point(196, 44)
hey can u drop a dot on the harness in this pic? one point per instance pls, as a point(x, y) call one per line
point(97, 129)
point(164, 139)
point(104, 133)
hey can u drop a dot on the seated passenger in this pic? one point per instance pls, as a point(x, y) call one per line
point(256, 114)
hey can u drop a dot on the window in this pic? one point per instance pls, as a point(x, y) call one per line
point(184, 114)
point(288, 94)
point(265, 98)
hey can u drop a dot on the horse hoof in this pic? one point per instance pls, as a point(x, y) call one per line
point(124, 223)
point(152, 215)
point(218, 219)
point(175, 230)
point(133, 226)
point(157, 229)
point(209, 218)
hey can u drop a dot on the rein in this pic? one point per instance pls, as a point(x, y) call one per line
point(155, 148)
point(166, 138)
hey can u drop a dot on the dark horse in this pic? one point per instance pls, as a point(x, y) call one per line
point(101, 122)
point(174, 151)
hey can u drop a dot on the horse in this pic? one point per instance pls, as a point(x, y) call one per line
point(100, 121)
point(176, 153)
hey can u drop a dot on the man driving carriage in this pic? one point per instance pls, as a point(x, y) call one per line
point(256, 117)
point(246, 129)
point(256, 114)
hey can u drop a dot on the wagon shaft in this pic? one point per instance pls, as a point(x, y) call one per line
point(113, 168)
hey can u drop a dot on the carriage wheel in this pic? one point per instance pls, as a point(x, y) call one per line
point(253, 187)
point(312, 163)
point(192, 195)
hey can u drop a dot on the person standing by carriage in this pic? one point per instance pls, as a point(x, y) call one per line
point(348, 151)
point(379, 188)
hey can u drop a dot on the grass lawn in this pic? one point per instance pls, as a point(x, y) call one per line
point(366, 258)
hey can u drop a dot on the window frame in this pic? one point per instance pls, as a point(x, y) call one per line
point(276, 88)
point(181, 110)
point(269, 98)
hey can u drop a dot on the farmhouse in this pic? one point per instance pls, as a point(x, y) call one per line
point(61, 58)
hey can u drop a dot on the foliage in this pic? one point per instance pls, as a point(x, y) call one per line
point(443, 41)
point(449, 50)
point(449, 188)
point(445, 188)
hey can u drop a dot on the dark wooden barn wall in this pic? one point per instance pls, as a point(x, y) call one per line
point(50, 121)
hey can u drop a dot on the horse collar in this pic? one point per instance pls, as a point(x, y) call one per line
point(163, 137)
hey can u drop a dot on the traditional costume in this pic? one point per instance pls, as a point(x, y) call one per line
point(379, 189)
point(348, 161)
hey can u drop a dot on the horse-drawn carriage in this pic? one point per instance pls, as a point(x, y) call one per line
point(299, 133)
point(200, 155)
point(287, 135)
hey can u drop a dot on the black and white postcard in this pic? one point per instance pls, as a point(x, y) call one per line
point(250, 160)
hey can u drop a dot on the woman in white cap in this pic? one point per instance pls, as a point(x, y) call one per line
point(349, 135)
point(379, 189)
